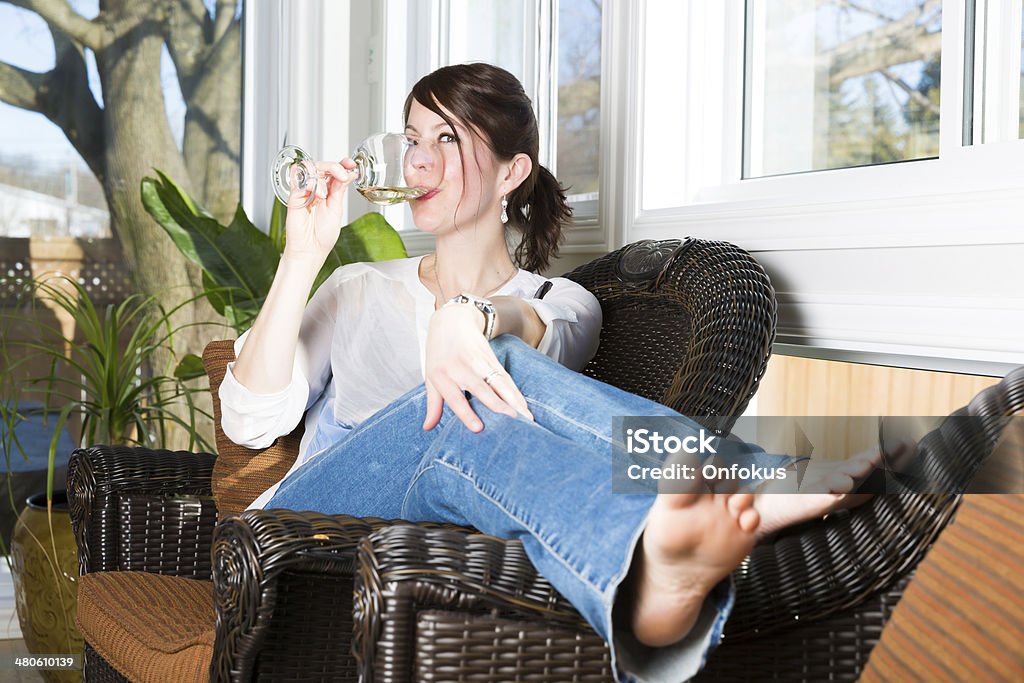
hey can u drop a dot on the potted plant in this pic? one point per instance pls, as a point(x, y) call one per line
point(112, 370)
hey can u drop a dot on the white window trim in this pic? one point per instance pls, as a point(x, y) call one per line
point(590, 233)
point(291, 88)
point(297, 83)
point(969, 198)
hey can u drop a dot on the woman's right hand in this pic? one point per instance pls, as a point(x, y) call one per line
point(312, 231)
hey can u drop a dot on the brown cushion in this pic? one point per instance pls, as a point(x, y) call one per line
point(962, 616)
point(241, 474)
point(149, 627)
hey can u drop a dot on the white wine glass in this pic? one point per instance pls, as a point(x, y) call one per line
point(380, 169)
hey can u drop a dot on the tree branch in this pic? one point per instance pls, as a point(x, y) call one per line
point(224, 19)
point(67, 100)
point(915, 95)
point(58, 13)
point(187, 33)
point(20, 88)
point(901, 41)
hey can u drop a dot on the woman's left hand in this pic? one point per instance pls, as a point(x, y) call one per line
point(458, 360)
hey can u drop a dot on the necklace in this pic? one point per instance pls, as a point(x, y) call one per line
point(444, 297)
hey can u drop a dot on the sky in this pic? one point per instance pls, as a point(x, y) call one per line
point(25, 42)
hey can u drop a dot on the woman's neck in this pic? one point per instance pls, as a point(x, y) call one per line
point(468, 267)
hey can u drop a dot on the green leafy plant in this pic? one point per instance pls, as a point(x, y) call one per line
point(113, 366)
point(238, 261)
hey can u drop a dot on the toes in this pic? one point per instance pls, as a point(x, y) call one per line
point(840, 483)
point(749, 519)
point(738, 502)
point(856, 467)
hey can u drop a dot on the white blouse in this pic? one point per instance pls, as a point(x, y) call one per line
point(362, 344)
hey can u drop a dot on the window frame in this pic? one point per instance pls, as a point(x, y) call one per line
point(967, 197)
point(288, 89)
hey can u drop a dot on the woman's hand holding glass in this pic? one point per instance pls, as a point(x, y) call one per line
point(312, 228)
point(460, 359)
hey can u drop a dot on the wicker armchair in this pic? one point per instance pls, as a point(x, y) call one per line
point(688, 323)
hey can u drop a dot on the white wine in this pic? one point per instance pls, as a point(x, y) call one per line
point(391, 195)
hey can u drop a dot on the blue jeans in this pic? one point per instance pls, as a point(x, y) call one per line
point(546, 483)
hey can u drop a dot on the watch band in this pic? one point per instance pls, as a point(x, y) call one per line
point(482, 305)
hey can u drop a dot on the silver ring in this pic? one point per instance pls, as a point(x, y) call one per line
point(491, 375)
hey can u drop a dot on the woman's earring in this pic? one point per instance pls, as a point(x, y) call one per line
point(504, 210)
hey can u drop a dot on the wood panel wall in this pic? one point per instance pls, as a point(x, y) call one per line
point(805, 388)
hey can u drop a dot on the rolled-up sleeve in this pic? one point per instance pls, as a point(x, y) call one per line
point(255, 420)
point(573, 319)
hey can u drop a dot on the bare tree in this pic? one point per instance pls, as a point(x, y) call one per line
point(129, 135)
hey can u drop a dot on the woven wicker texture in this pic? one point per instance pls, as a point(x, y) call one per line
point(101, 477)
point(968, 591)
point(140, 550)
point(241, 474)
point(171, 639)
point(283, 593)
point(407, 570)
point(686, 323)
point(99, 670)
point(492, 649)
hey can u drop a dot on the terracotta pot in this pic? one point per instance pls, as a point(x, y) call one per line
point(46, 586)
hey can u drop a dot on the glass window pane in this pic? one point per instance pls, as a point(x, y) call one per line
point(45, 187)
point(488, 31)
point(834, 84)
point(579, 96)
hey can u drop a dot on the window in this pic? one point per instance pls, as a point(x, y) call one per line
point(46, 189)
point(578, 129)
point(776, 126)
point(994, 36)
point(837, 84)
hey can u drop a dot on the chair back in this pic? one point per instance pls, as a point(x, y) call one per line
point(688, 323)
point(240, 474)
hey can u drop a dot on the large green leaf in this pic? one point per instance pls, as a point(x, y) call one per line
point(370, 238)
point(191, 229)
point(239, 256)
point(239, 261)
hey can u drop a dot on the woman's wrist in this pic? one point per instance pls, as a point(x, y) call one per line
point(465, 314)
point(483, 305)
point(303, 260)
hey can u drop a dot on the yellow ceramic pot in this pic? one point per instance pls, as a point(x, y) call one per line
point(46, 584)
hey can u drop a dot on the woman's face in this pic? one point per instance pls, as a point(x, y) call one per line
point(461, 190)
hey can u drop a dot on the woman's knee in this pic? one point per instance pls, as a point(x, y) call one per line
point(509, 345)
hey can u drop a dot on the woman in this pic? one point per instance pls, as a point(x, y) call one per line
point(383, 356)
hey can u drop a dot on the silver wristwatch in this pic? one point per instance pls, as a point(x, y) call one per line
point(482, 305)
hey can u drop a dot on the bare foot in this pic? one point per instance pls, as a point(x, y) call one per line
point(825, 486)
point(691, 542)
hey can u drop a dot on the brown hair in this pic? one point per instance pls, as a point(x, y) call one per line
point(492, 102)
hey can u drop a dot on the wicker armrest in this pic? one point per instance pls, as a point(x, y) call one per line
point(142, 509)
point(283, 593)
point(416, 586)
